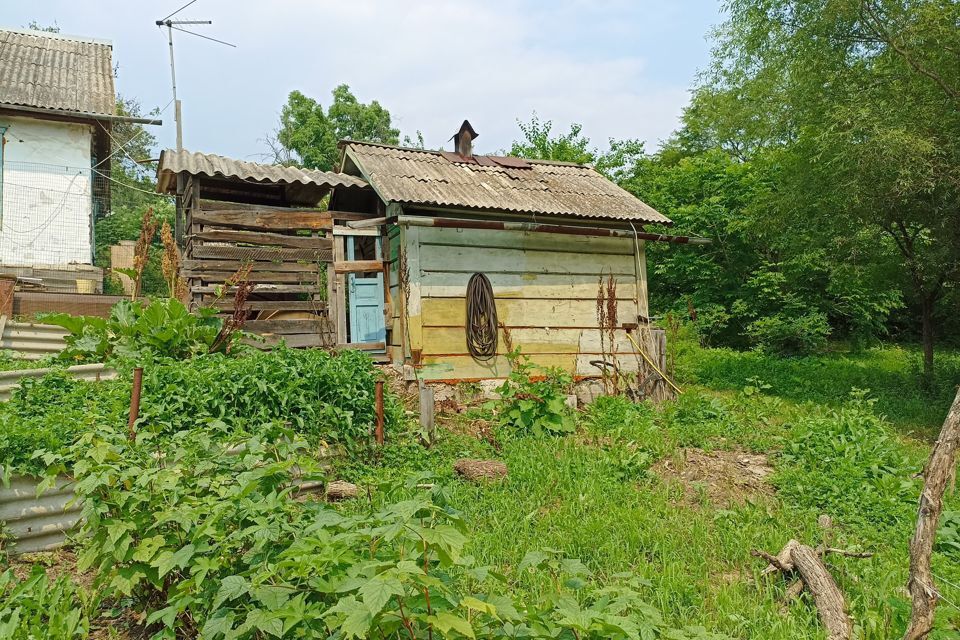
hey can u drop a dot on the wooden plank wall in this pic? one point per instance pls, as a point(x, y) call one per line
point(545, 287)
point(289, 250)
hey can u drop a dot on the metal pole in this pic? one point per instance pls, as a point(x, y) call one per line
point(135, 402)
point(173, 80)
point(378, 400)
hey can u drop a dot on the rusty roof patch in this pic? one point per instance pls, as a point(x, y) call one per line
point(429, 178)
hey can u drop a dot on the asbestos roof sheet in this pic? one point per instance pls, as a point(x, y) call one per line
point(214, 166)
point(51, 71)
point(432, 178)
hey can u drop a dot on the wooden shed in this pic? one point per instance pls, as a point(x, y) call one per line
point(544, 234)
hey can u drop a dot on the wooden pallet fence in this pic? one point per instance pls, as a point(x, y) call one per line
point(287, 250)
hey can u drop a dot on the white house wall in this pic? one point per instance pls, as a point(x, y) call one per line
point(47, 193)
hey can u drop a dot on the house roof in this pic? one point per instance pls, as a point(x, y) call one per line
point(53, 71)
point(306, 186)
point(435, 178)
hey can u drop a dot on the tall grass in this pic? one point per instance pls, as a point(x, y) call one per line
point(891, 374)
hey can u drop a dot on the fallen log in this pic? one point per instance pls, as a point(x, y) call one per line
point(815, 577)
point(340, 490)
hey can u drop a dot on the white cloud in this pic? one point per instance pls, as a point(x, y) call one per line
point(619, 67)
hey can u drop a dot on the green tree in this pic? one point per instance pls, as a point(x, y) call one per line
point(538, 143)
point(308, 134)
point(856, 104)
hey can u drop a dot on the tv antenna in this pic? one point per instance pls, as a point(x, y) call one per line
point(177, 25)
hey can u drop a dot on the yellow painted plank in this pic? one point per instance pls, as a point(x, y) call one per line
point(451, 312)
point(465, 367)
point(453, 341)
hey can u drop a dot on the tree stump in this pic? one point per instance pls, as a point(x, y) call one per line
point(480, 470)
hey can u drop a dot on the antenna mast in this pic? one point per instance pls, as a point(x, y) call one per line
point(173, 72)
point(176, 24)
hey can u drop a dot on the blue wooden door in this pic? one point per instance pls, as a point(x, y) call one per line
point(366, 301)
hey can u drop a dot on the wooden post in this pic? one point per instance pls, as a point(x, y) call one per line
point(7, 286)
point(427, 413)
point(135, 403)
point(938, 474)
point(378, 399)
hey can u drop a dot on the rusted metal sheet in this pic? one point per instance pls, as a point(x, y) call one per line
point(53, 71)
point(38, 523)
point(11, 380)
point(30, 303)
point(430, 178)
point(30, 341)
point(214, 166)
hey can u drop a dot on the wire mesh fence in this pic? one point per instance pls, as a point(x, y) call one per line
point(64, 229)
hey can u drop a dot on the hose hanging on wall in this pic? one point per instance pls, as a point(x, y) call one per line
point(481, 318)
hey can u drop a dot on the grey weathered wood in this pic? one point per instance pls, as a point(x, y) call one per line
point(826, 594)
point(272, 254)
point(427, 412)
point(234, 265)
point(339, 251)
point(255, 276)
point(285, 327)
point(362, 346)
point(262, 288)
point(294, 341)
point(262, 238)
point(347, 231)
point(269, 220)
point(273, 305)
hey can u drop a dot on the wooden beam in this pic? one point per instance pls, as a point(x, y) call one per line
point(367, 223)
point(263, 238)
point(266, 220)
point(251, 254)
point(347, 231)
point(262, 288)
point(285, 327)
point(273, 305)
point(255, 276)
point(357, 266)
point(362, 346)
point(233, 265)
point(349, 215)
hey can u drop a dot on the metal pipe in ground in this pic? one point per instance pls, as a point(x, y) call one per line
point(135, 402)
point(378, 400)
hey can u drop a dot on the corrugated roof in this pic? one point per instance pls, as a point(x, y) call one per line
point(173, 162)
point(418, 177)
point(51, 71)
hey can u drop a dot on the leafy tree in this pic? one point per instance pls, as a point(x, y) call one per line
point(856, 104)
point(308, 134)
point(539, 144)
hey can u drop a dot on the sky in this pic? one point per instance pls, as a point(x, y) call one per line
point(621, 68)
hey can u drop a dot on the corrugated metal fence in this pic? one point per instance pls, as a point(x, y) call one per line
point(32, 341)
point(38, 523)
